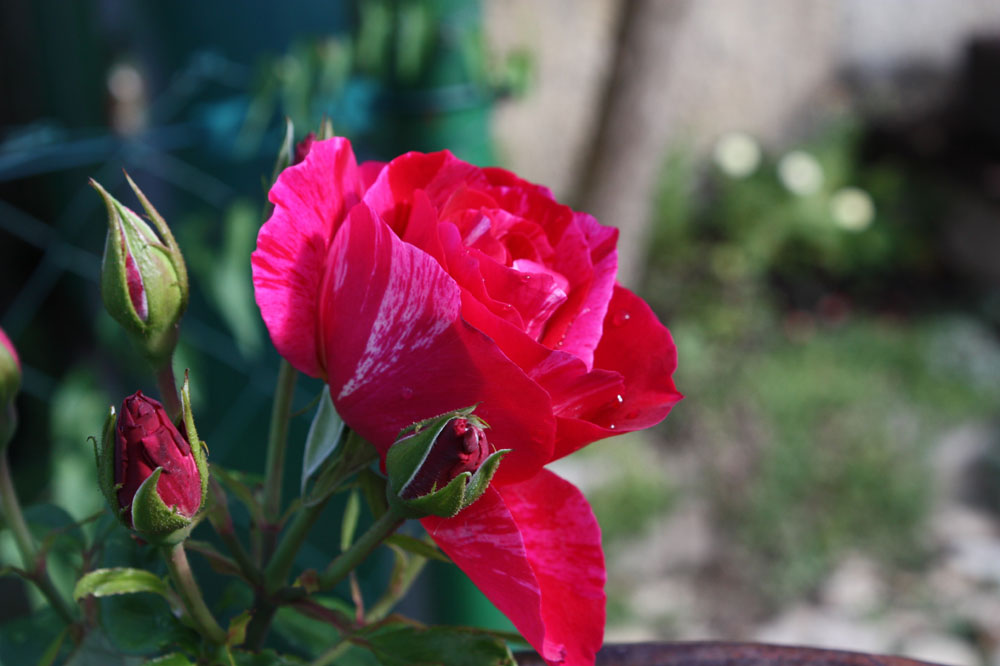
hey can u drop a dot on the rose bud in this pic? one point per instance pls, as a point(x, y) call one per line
point(10, 383)
point(143, 277)
point(303, 146)
point(153, 477)
point(440, 466)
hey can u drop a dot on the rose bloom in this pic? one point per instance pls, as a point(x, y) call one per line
point(428, 284)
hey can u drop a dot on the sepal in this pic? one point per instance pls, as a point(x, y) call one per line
point(199, 450)
point(422, 478)
point(153, 519)
point(104, 453)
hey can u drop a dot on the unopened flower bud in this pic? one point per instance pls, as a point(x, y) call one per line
point(147, 440)
point(302, 147)
point(10, 383)
point(153, 477)
point(10, 370)
point(460, 447)
point(442, 465)
point(143, 277)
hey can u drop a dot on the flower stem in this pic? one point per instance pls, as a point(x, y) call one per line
point(360, 549)
point(397, 590)
point(281, 563)
point(277, 439)
point(167, 385)
point(328, 657)
point(218, 515)
point(26, 544)
point(187, 586)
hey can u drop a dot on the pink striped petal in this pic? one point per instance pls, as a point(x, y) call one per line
point(587, 256)
point(638, 347)
point(310, 200)
point(534, 549)
point(398, 351)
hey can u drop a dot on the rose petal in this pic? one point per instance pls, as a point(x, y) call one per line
point(485, 542)
point(534, 549)
point(368, 173)
point(534, 293)
point(438, 174)
point(310, 201)
point(636, 345)
point(397, 350)
point(502, 178)
point(464, 266)
point(586, 255)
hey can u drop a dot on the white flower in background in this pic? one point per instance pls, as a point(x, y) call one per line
point(800, 173)
point(737, 154)
point(852, 208)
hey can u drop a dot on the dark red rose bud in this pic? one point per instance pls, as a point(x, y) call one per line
point(146, 439)
point(461, 447)
point(303, 146)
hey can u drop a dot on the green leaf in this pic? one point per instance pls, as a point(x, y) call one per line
point(98, 650)
point(27, 639)
point(172, 659)
point(53, 650)
point(14, 571)
point(120, 580)
point(49, 522)
point(237, 631)
point(405, 645)
point(143, 624)
point(312, 636)
point(373, 487)
point(219, 562)
point(417, 547)
point(349, 522)
point(307, 633)
point(353, 456)
point(265, 658)
point(325, 433)
point(231, 481)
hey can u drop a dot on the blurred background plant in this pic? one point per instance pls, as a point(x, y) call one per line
point(824, 254)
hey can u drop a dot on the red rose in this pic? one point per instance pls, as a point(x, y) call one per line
point(429, 284)
point(146, 439)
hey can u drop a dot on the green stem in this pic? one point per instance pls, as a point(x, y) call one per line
point(218, 515)
point(396, 591)
point(264, 609)
point(187, 587)
point(241, 555)
point(360, 549)
point(281, 563)
point(167, 385)
point(26, 544)
point(277, 440)
point(328, 657)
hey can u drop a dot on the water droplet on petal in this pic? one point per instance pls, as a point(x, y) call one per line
point(612, 426)
point(407, 393)
point(620, 398)
point(620, 317)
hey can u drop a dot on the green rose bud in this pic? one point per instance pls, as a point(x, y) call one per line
point(10, 383)
point(440, 466)
point(143, 277)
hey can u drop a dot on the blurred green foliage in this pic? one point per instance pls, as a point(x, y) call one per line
point(818, 369)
